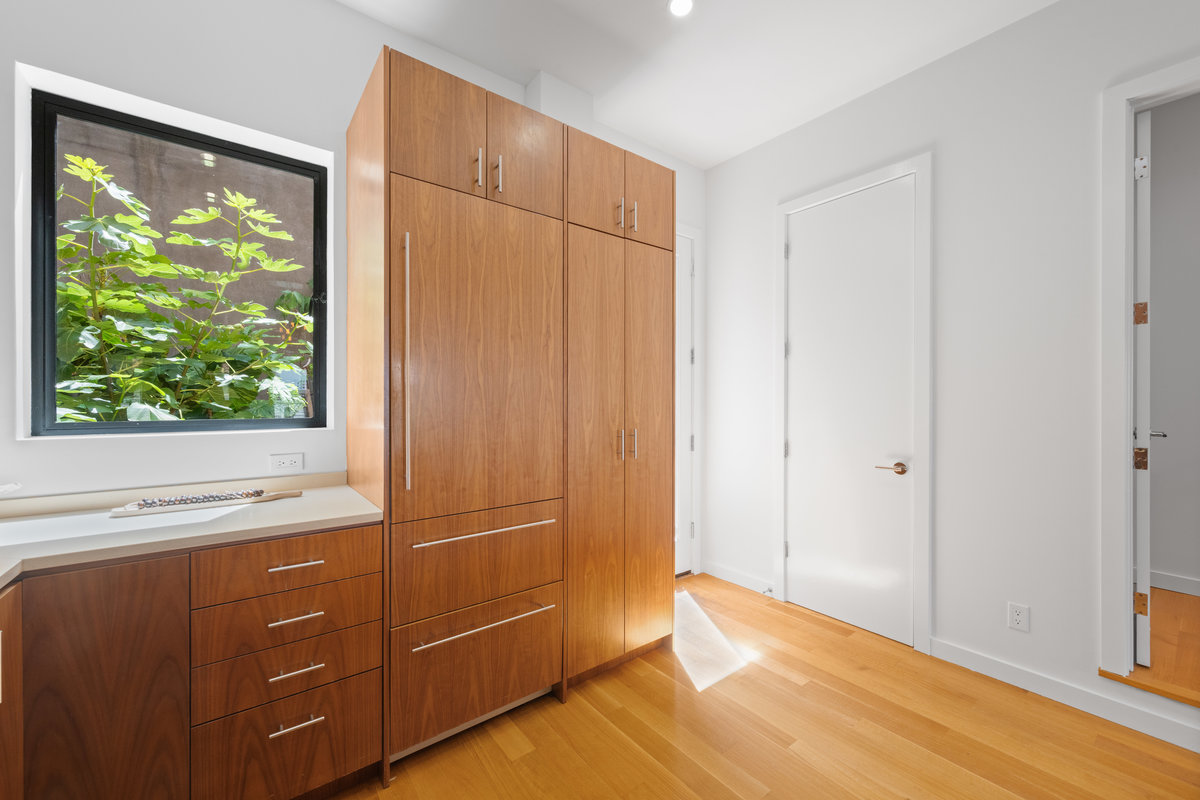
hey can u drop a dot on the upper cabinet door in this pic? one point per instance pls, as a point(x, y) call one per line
point(438, 126)
point(525, 157)
point(477, 353)
point(595, 183)
point(649, 202)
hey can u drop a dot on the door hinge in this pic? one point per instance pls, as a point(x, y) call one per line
point(693, 530)
point(693, 355)
point(786, 448)
point(692, 443)
point(787, 349)
point(1141, 458)
point(785, 548)
point(1141, 167)
point(1141, 313)
point(1141, 603)
point(787, 249)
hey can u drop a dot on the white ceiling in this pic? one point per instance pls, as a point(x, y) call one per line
point(732, 75)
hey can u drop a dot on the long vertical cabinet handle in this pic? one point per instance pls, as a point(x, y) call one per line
point(407, 364)
point(622, 444)
point(635, 227)
point(500, 174)
point(621, 221)
point(635, 431)
point(479, 168)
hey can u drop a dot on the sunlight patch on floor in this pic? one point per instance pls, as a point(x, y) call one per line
point(701, 648)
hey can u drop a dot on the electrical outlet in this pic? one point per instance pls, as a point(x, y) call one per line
point(287, 462)
point(1018, 617)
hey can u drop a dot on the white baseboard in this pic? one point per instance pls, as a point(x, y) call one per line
point(762, 585)
point(1175, 583)
point(1180, 728)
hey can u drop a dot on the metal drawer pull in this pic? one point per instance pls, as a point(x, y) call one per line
point(635, 443)
point(283, 731)
point(486, 533)
point(313, 615)
point(297, 566)
point(479, 168)
point(621, 220)
point(419, 648)
point(310, 668)
point(500, 174)
point(635, 216)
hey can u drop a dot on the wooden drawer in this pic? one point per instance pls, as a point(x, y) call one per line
point(249, 570)
point(291, 746)
point(448, 563)
point(239, 683)
point(247, 626)
point(451, 669)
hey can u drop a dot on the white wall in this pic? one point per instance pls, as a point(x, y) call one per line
point(1014, 125)
point(1174, 294)
point(310, 60)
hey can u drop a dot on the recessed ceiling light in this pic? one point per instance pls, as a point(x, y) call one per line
point(680, 8)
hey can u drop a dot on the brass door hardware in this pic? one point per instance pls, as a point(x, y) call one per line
point(899, 468)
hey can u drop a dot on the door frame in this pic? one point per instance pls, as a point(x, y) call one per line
point(1118, 270)
point(920, 167)
point(681, 448)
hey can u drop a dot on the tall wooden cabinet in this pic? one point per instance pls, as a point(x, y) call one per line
point(460, 401)
point(620, 441)
point(12, 754)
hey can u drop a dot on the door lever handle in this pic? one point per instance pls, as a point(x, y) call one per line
point(899, 467)
point(1158, 434)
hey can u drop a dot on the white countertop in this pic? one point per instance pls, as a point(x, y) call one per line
point(58, 540)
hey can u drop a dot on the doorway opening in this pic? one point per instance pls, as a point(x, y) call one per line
point(855, 411)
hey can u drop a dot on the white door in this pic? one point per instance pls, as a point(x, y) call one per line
point(685, 383)
point(1141, 403)
point(851, 267)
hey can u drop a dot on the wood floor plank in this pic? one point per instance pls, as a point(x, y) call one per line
point(821, 711)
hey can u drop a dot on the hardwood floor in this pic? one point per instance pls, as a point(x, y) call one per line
point(1174, 649)
point(821, 710)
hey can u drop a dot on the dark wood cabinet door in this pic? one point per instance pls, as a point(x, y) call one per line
point(650, 448)
point(106, 682)
point(12, 757)
point(595, 466)
point(451, 669)
point(438, 126)
point(525, 157)
point(649, 202)
point(595, 183)
point(477, 407)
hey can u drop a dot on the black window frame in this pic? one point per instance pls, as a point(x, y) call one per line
point(45, 109)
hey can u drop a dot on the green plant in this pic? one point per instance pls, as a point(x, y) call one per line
point(143, 337)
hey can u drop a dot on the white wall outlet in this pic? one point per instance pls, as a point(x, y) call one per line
point(1018, 617)
point(287, 462)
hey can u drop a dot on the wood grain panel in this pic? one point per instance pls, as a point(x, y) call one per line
point(241, 571)
point(234, 758)
point(595, 468)
point(595, 182)
point(366, 288)
point(237, 684)
point(455, 680)
point(237, 629)
point(531, 145)
point(650, 464)
point(12, 753)
point(106, 682)
point(485, 373)
point(650, 202)
point(438, 124)
point(443, 564)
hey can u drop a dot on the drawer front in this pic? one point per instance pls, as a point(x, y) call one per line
point(247, 626)
point(451, 669)
point(239, 683)
point(291, 746)
point(452, 562)
point(249, 570)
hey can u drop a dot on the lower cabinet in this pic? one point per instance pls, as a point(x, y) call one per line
point(12, 755)
point(451, 669)
point(106, 677)
point(291, 746)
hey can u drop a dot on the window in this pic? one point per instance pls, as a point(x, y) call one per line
point(178, 280)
